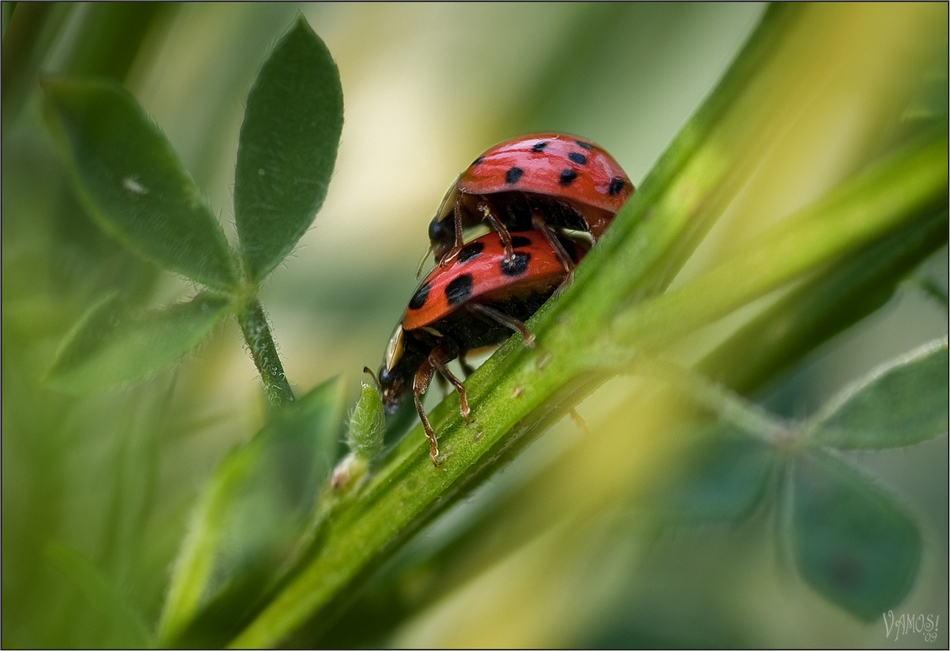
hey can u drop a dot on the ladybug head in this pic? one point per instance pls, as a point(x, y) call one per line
point(393, 375)
point(392, 388)
point(442, 236)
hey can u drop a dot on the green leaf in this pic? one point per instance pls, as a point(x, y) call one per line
point(133, 184)
point(851, 541)
point(723, 479)
point(124, 623)
point(110, 345)
point(253, 510)
point(904, 401)
point(287, 148)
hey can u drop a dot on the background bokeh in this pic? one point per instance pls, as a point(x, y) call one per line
point(427, 87)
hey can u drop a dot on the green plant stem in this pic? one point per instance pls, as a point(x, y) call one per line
point(821, 307)
point(727, 405)
point(259, 341)
point(906, 186)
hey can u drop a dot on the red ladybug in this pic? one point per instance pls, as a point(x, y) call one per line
point(477, 300)
point(537, 181)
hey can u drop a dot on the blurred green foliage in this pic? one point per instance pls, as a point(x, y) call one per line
point(132, 183)
point(252, 512)
point(97, 490)
point(109, 346)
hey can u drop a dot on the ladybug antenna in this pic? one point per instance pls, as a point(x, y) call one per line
point(422, 262)
point(366, 369)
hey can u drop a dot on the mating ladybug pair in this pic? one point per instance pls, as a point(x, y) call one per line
point(537, 193)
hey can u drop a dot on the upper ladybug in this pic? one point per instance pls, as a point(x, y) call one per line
point(537, 181)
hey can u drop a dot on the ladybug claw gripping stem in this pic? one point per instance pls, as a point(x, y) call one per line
point(568, 279)
point(419, 385)
point(433, 443)
point(448, 375)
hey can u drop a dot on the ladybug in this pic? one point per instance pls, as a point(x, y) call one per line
point(479, 299)
point(544, 181)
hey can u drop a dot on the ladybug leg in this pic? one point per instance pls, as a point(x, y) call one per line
point(537, 222)
point(500, 317)
point(445, 373)
point(459, 243)
point(457, 215)
point(419, 385)
point(499, 228)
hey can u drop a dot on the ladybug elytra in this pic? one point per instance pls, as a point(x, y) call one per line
point(545, 182)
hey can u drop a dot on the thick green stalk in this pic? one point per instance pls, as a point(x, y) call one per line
point(910, 184)
point(823, 306)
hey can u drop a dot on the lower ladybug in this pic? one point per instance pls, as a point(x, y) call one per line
point(478, 300)
point(544, 181)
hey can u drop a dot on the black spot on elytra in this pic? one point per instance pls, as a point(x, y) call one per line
point(458, 291)
point(470, 251)
point(538, 146)
point(616, 185)
point(513, 174)
point(578, 158)
point(477, 161)
point(419, 298)
point(567, 177)
point(584, 145)
point(519, 241)
point(517, 266)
